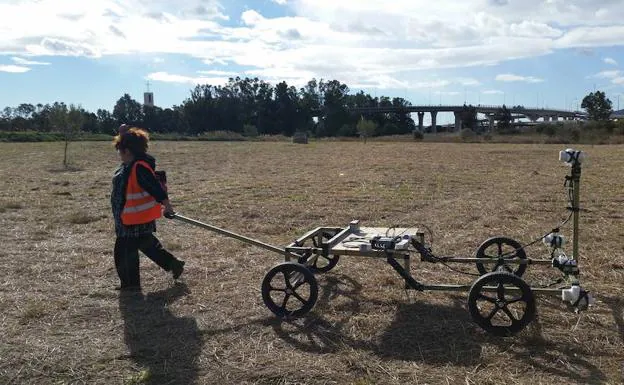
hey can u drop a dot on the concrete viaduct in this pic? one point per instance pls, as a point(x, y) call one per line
point(533, 114)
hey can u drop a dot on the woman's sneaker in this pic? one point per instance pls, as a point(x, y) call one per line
point(177, 269)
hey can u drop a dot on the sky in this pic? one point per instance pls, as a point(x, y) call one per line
point(545, 53)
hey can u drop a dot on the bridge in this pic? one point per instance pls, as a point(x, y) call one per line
point(533, 114)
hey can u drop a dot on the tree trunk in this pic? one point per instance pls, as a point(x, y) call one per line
point(65, 156)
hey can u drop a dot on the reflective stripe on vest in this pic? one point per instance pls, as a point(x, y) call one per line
point(140, 195)
point(140, 206)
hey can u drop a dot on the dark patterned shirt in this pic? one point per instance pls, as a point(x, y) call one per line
point(118, 197)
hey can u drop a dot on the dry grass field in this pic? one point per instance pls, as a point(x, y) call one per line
point(62, 322)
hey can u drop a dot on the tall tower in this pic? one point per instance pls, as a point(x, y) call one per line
point(148, 97)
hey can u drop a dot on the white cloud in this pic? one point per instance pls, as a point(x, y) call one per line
point(27, 62)
point(468, 82)
point(517, 78)
point(610, 74)
point(493, 92)
point(172, 78)
point(218, 73)
point(619, 80)
point(610, 61)
point(280, 2)
point(360, 42)
point(13, 69)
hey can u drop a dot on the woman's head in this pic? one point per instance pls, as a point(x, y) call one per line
point(133, 142)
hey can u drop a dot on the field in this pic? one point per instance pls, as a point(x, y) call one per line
point(62, 322)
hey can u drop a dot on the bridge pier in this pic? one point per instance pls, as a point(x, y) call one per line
point(434, 124)
point(458, 121)
point(421, 116)
point(492, 121)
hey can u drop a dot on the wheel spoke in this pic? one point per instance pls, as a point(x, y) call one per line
point(273, 288)
point(500, 291)
point(286, 297)
point(485, 297)
point(300, 298)
point(287, 278)
point(515, 299)
point(298, 284)
point(492, 313)
point(508, 312)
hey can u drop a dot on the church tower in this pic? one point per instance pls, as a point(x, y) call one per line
point(148, 97)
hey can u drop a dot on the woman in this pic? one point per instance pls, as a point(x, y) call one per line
point(136, 202)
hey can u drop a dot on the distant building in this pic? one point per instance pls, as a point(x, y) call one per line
point(148, 99)
point(617, 115)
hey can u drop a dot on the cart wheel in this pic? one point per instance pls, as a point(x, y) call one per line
point(289, 290)
point(505, 307)
point(501, 248)
point(319, 264)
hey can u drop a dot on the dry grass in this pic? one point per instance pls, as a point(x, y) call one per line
point(62, 322)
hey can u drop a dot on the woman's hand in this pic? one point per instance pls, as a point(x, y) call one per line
point(168, 208)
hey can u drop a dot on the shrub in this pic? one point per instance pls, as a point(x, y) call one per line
point(250, 130)
point(467, 134)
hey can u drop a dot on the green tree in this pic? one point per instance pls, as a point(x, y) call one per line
point(75, 119)
point(504, 118)
point(468, 116)
point(366, 128)
point(597, 105)
point(128, 110)
point(67, 121)
point(106, 122)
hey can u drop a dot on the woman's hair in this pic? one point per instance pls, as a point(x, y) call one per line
point(135, 140)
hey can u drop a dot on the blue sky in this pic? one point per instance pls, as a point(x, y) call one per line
point(548, 53)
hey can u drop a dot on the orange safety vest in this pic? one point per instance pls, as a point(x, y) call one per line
point(140, 206)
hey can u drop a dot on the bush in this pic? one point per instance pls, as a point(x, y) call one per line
point(250, 130)
point(347, 130)
point(36, 136)
point(418, 135)
point(467, 134)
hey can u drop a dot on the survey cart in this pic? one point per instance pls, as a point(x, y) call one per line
point(500, 301)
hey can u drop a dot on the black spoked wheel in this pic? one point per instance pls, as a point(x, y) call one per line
point(318, 264)
point(289, 290)
point(501, 249)
point(501, 303)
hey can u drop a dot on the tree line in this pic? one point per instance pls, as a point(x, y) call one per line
point(243, 105)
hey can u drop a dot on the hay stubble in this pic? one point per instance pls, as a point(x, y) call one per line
point(62, 322)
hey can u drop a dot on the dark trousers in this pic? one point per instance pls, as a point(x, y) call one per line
point(127, 257)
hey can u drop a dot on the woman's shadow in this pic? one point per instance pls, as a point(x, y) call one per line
point(164, 345)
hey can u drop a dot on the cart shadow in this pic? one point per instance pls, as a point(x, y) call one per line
point(558, 358)
point(313, 333)
point(617, 308)
point(164, 345)
point(432, 333)
point(419, 332)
